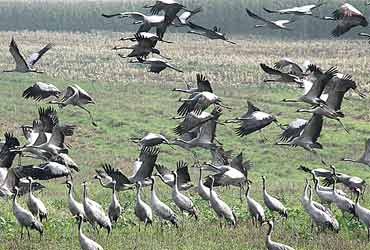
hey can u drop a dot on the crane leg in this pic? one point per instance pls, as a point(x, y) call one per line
point(20, 159)
point(91, 117)
point(241, 189)
point(21, 232)
point(28, 233)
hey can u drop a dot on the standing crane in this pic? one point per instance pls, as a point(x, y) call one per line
point(183, 202)
point(272, 245)
point(203, 191)
point(85, 242)
point(272, 203)
point(255, 209)
point(114, 209)
point(142, 210)
point(25, 218)
point(94, 212)
point(308, 207)
point(362, 213)
point(319, 217)
point(76, 208)
point(160, 209)
point(35, 205)
point(222, 210)
point(342, 202)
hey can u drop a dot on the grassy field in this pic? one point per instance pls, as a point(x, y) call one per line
point(132, 102)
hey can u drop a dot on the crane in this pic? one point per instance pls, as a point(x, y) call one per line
point(272, 245)
point(94, 212)
point(76, 96)
point(76, 208)
point(255, 209)
point(114, 209)
point(35, 205)
point(40, 91)
point(271, 202)
point(279, 24)
point(142, 210)
point(85, 242)
point(183, 202)
point(160, 209)
point(26, 65)
point(222, 210)
point(25, 218)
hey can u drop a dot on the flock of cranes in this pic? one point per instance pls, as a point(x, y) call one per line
point(323, 90)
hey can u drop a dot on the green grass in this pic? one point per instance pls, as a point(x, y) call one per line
point(132, 102)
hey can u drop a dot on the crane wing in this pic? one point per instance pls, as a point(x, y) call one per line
point(20, 62)
point(40, 91)
point(33, 58)
point(203, 84)
point(7, 157)
point(116, 174)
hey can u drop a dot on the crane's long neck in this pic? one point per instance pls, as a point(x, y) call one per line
point(114, 191)
point(200, 177)
point(247, 192)
point(316, 183)
point(152, 186)
point(85, 192)
point(138, 198)
point(15, 199)
point(175, 183)
point(304, 195)
point(30, 188)
point(211, 189)
point(310, 195)
point(357, 198)
point(264, 185)
point(80, 221)
point(102, 183)
point(161, 177)
point(269, 233)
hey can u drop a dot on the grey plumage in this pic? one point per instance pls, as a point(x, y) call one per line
point(25, 218)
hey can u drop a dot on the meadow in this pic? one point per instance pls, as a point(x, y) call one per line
point(132, 102)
